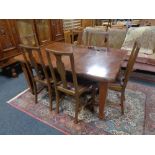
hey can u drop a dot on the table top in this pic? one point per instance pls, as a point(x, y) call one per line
point(100, 65)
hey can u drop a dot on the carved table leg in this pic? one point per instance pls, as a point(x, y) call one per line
point(103, 88)
point(27, 76)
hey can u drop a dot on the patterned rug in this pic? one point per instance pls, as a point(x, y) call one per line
point(139, 117)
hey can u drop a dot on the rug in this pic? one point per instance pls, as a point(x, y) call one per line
point(132, 122)
point(149, 122)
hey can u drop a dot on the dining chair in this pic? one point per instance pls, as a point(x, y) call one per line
point(71, 88)
point(67, 36)
point(38, 73)
point(79, 33)
point(107, 24)
point(98, 38)
point(122, 80)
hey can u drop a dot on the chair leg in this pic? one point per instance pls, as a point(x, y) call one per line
point(57, 101)
point(76, 109)
point(50, 96)
point(122, 102)
point(93, 98)
point(35, 92)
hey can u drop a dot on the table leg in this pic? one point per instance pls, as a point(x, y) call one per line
point(27, 76)
point(103, 88)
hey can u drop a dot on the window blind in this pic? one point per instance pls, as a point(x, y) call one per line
point(71, 24)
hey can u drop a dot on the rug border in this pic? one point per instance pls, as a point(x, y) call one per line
point(31, 115)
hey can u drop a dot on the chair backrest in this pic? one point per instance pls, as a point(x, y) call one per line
point(61, 67)
point(79, 40)
point(98, 38)
point(34, 60)
point(78, 32)
point(67, 36)
point(131, 61)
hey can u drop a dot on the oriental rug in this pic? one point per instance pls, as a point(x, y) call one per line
point(139, 117)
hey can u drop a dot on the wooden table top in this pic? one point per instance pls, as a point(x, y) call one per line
point(98, 65)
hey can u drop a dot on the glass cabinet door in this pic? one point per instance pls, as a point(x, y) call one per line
point(6, 39)
point(57, 29)
point(43, 28)
point(27, 32)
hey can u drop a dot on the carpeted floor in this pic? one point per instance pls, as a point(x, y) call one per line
point(12, 121)
point(15, 122)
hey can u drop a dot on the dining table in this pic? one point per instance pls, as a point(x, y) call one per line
point(98, 64)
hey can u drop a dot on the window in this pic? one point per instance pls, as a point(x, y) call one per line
point(71, 24)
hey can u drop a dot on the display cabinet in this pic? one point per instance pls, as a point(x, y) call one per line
point(26, 31)
point(40, 31)
point(43, 31)
point(34, 32)
point(57, 29)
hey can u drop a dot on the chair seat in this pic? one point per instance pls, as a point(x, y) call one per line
point(71, 89)
point(117, 85)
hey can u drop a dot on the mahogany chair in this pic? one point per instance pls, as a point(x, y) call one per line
point(63, 85)
point(122, 80)
point(38, 73)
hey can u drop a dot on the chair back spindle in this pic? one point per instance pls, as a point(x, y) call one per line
point(131, 61)
point(33, 57)
point(61, 67)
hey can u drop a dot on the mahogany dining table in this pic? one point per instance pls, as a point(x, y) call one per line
point(97, 64)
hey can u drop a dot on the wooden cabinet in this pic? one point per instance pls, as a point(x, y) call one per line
point(147, 22)
point(88, 22)
point(26, 32)
point(40, 31)
point(57, 29)
point(35, 32)
point(8, 42)
point(43, 31)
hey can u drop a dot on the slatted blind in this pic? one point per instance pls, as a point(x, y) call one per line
point(71, 24)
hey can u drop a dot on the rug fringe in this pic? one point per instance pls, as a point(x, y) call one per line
point(18, 95)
